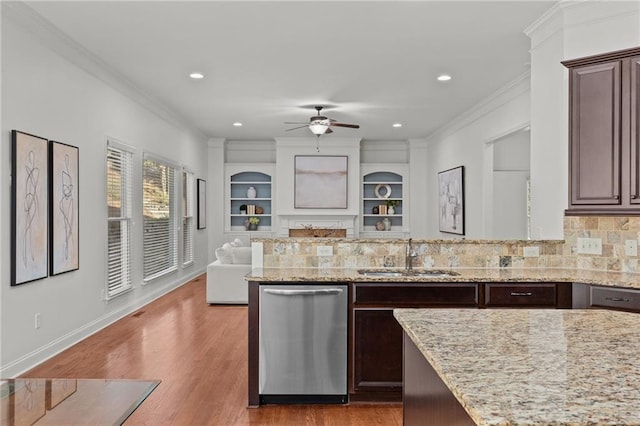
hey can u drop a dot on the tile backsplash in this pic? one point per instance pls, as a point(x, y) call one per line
point(378, 253)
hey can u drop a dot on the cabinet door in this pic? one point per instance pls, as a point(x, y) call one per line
point(377, 351)
point(595, 134)
point(635, 129)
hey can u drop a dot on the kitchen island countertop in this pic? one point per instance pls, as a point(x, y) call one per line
point(534, 367)
point(616, 279)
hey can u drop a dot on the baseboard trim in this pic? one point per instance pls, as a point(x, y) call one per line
point(53, 348)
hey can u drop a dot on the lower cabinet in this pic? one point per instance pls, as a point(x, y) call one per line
point(376, 336)
point(375, 349)
point(377, 355)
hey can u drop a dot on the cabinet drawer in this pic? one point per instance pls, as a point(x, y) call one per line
point(616, 298)
point(506, 295)
point(407, 295)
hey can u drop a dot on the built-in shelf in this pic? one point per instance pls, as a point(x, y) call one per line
point(239, 178)
point(382, 183)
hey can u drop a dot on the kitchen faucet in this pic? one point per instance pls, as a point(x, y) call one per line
point(410, 255)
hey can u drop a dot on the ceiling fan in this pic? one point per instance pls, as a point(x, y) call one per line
point(321, 125)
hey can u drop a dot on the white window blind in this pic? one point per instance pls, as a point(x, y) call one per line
point(159, 218)
point(187, 218)
point(119, 196)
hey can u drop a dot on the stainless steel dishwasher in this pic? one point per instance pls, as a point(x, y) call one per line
point(303, 343)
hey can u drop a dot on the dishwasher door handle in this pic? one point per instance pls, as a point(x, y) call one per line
point(303, 292)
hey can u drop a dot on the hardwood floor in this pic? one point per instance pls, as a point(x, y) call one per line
point(200, 354)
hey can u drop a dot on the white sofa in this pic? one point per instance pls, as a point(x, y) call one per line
point(225, 276)
point(225, 283)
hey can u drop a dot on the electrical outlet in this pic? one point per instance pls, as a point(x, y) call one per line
point(631, 247)
point(324, 251)
point(37, 320)
point(583, 245)
point(533, 251)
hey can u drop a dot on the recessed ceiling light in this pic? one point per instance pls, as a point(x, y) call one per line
point(196, 75)
point(397, 124)
point(237, 124)
point(444, 77)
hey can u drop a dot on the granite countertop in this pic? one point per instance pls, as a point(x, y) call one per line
point(534, 367)
point(617, 279)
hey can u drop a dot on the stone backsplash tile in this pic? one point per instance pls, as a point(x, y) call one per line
point(614, 231)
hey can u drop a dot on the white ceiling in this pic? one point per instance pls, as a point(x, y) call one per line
point(373, 62)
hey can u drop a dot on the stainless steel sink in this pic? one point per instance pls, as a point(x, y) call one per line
point(407, 273)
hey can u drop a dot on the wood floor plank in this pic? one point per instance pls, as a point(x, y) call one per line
point(200, 354)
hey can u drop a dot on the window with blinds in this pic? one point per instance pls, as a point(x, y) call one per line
point(119, 196)
point(187, 218)
point(160, 254)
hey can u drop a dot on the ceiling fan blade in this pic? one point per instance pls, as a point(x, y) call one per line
point(296, 128)
point(351, 126)
point(328, 131)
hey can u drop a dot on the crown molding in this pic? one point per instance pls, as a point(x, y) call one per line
point(53, 38)
point(505, 94)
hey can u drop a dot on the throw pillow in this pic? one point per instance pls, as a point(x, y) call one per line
point(241, 255)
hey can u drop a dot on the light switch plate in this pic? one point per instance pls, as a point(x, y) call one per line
point(631, 247)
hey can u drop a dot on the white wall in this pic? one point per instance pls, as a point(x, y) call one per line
point(464, 143)
point(50, 96)
point(569, 30)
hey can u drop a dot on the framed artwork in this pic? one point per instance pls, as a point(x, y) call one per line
point(64, 202)
point(57, 390)
point(320, 182)
point(27, 401)
point(451, 197)
point(29, 208)
point(202, 203)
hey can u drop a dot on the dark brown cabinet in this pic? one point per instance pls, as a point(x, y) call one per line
point(527, 295)
point(376, 337)
point(604, 134)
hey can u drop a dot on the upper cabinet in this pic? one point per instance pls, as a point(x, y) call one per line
point(384, 208)
point(604, 134)
point(249, 189)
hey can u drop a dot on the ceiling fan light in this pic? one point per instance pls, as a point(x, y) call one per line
point(318, 127)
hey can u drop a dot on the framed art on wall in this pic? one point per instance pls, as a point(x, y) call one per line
point(202, 203)
point(451, 197)
point(64, 202)
point(320, 182)
point(29, 208)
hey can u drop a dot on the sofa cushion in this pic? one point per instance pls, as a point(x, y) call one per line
point(241, 255)
point(237, 243)
point(224, 254)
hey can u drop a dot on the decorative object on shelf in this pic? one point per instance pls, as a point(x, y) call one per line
point(383, 190)
point(64, 212)
point(251, 224)
point(391, 205)
point(202, 203)
point(29, 204)
point(375, 210)
point(251, 209)
point(451, 193)
point(379, 226)
point(387, 224)
point(320, 182)
point(259, 210)
point(382, 209)
point(251, 192)
point(243, 209)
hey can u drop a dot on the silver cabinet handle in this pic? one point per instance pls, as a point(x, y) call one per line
point(516, 293)
point(298, 292)
point(616, 299)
